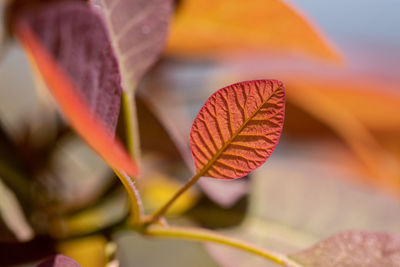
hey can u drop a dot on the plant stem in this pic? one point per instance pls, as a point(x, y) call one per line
point(131, 124)
point(163, 209)
point(193, 234)
point(132, 137)
point(134, 197)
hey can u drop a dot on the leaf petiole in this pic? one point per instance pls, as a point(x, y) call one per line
point(163, 209)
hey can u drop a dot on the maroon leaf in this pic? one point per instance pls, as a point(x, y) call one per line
point(353, 248)
point(74, 106)
point(59, 261)
point(138, 29)
point(77, 38)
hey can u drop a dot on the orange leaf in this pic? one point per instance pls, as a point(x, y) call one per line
point(225, 26)
point(312, 96)
point(238, 128)
point(74, 106)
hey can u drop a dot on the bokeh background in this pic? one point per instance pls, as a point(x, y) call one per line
point(337, 166)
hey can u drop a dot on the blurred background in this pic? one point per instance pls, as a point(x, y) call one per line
point(337, 166)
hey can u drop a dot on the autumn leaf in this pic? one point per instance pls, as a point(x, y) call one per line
point(74, 105)
point(353, 248)
point(216, 27)
point(77, 39)
point(350, 123)
point(238, 128)
point(138, 30)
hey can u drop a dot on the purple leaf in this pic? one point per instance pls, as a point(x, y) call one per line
point(59, 261)
point(353, 248)
point(77, 38)
point(138, 29)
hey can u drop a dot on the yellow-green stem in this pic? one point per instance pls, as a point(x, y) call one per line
point(194, 234)
point(133, 193)
point(132, 137)
point(162, 210)
point(131, 124)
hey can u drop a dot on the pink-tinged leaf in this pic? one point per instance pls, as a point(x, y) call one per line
point(233, 190)
point(59, 261)
point(353, 248)
point(74, 105)
point(238, 128)
point(77, 38)
point(138, 29)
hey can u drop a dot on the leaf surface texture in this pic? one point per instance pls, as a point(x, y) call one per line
point(238, 128)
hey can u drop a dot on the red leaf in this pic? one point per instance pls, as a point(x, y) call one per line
point(238, 128)
point(74, 105)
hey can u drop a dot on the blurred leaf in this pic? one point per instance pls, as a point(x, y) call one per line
point(137, 250)
point(81, 174)
point(157, 189)
point(35, 250)
point(87, 251)
point(355, 248)
point(59, 261)
point(292, 208)
point(383, 117)
point(309, 95)
point(210, 215)
point(74, 106)
point(13, 215)
point(110, 210)
point(158, 134)
point(11, 169)
point(2, 29)
point(233, 190)
point(238, 128)
point(138, 30)
point(77, 39)
point(225, 26)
